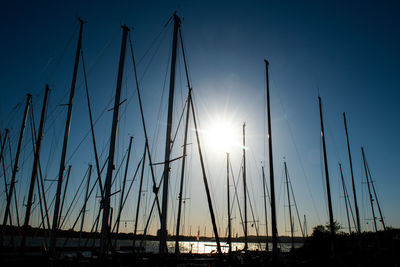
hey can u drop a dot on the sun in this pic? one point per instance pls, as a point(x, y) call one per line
point(221, 136)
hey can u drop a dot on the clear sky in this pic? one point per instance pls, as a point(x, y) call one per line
point(346, 51)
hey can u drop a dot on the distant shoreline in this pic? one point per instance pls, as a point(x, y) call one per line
point(34, 231)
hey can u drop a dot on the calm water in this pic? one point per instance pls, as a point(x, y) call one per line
point(149, 246)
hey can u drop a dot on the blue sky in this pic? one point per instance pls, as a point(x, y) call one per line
point(345, 51)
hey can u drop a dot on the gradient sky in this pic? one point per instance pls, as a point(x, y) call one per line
point(346, 51)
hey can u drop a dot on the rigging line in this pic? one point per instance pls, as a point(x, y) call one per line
point(15, 193)
point(129, 188)
point(295, 205)
point(157, 130)
point(235, 196)
point(62, 53)
point(187, 71)
point(151, 59)
point(376, 197)
point(40, 176)
point(330, 133)
point(119, 167)
point(73, 205)
point(351, 209)
point(144, 126)
point(73, 199)
point(281, 194)
point(213, 199)
point(101, 52)
point(258, 173)
point(254, 220)
point(298, 155)
point(151, 210)
point(24, 159)
point(45, 131)
point(91, 125)
point(179, 124)
point(12, 115)
point(90, 193)
point(154, 40)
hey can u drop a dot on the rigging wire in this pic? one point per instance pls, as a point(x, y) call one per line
point(297, 153)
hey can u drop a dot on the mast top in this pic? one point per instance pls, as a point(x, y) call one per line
point(81, 20)
point(125, 27)
point(266, 61)
point(177, 18)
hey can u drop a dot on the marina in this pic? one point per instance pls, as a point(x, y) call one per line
point(120, 159)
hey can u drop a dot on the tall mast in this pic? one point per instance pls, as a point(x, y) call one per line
point(244, 187)
point(3, 145)
point(34, 168)
point(190, 105)
point(328, 188)
point(290, 208)
point(265, 209)
point(345, 196)
point(352, 176)
point(123, 186)
point(168, 140)
point(180, 196)
point(139, 196)
point(369, 189)
point(64, 194)
point(189, 101)
point(210, 207)
point(65, 144)
point(376, 197)
point(15, 169)
point(229, 206)
point(305, 226)
point(271, 172)
point(105, 229)
point(84, 205)
point(4, 168)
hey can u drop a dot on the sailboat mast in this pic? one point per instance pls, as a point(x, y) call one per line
point(345, 196)
point(229, 205)
point(305, 226)
point(123, 186)
point(265, 209)
point(3, 146)
point(34, 169)
point(244, 187)
point(105, 230)
point(203, 170)
point(376, 199)
point(180, 196)
point(56, 216)
point(139, 196)
point(271, 172)
point(4, 168)
point(64, 194)
point(328, 188)
point(168, 140)
point(352, 176)
point(369, 189)
point(290, 208)
point(15, 169)
point(189, 101)
point(84, 205)
point(190, 105)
